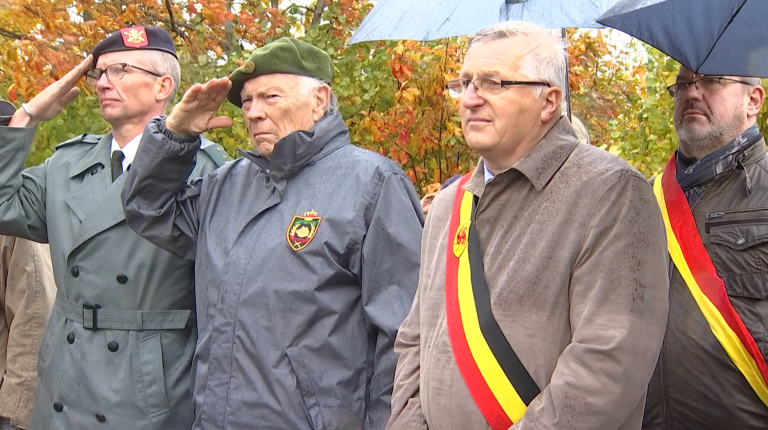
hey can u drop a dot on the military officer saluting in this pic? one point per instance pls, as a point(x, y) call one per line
point(117, 351)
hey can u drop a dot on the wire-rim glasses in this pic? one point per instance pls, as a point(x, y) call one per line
point(704, 83)
point(114, 73)
point(457, 87)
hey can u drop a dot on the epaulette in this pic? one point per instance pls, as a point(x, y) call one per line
point(215, 151)
point(83, 138)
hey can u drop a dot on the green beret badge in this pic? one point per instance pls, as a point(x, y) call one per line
point(248, 67)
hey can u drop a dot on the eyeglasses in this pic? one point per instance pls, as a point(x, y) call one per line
point(703, 84)
point(457, 87)
point(114, 73)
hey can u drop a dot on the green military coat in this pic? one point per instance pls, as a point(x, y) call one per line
point(118, 347)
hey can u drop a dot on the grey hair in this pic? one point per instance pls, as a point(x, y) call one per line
point(752, 81)
point(165, 64)
point(308, 84)
point(547, 57)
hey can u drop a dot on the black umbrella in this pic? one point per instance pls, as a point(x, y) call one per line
point(709, 37)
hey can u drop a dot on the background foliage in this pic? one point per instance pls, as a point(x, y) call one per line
point(391, 93)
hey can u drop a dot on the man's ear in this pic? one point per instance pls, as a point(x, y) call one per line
point(755, 102)
point(552, 97)
point(164, 88)
point(322, 98)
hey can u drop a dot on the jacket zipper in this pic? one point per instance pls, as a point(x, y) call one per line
point(720, 214)
point(734, 222)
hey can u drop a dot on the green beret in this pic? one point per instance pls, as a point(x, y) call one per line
point(284, 55)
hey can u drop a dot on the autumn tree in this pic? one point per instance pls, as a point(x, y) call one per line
point(391, 93)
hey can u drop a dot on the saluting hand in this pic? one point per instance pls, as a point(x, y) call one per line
point(51, 101)
point(194, 113)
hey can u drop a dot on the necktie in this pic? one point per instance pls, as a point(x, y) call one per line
point(117, 164)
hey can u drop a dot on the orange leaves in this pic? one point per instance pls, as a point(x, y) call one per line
point(12, 95)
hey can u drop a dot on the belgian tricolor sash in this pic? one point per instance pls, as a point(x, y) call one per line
point(691, 259)
point(497, 380)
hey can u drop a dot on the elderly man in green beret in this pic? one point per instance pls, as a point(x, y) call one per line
point(306, 248)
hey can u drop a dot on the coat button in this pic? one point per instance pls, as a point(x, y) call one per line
point(100, 418)
point(71, 338)
point(75, 271)
point(740, 241)
point(122, 279)
point(58, 407)
point(112, 346)
point(94, 171)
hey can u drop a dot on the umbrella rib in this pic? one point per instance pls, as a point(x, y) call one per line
point(733, 16)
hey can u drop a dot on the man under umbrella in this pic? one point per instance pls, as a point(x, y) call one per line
point(306, 249)
point(712, 369)
point(543, 293)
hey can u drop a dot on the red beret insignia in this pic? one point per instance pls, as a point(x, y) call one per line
point(134, 37)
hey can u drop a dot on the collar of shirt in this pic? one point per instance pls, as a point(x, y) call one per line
point(540, 164)
point(487, 174)
point(129, 150)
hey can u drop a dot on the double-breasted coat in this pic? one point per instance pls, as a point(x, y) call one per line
point(118, 346)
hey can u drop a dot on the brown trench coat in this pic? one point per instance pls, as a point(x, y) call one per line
point(575, 259)
point(27, 292)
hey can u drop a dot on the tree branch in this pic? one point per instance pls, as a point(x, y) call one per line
point(172, 20)
point(319, 9)
point(10, 34)
point(165, 21)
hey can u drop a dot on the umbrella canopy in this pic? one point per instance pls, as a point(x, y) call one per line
point(6, 108)
point(437, 19)
point(709, 37)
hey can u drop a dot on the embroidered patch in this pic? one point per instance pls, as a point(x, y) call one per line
point(460, 240)
point(302, 230)
point(248, 67)
point(134, 37)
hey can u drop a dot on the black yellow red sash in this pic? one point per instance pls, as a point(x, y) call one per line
point(499, 383)
point(691, 259)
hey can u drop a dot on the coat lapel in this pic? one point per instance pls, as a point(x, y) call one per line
point(95, 199)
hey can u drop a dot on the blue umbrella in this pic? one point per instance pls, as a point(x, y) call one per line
point(437, 19)
point(709, 37)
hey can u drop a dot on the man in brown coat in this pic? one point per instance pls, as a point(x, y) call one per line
point(712, 368)
point(542, 294)
point(27, 292)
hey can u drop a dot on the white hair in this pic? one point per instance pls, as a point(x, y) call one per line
point(308, 84)
point(547, 57)
point(165, 64)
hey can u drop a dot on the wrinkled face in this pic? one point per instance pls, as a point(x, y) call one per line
point(131, 100)
point(706, 119)
point(497, 124)
point(276, 105)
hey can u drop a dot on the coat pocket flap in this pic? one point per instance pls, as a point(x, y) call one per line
point(740, 236)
